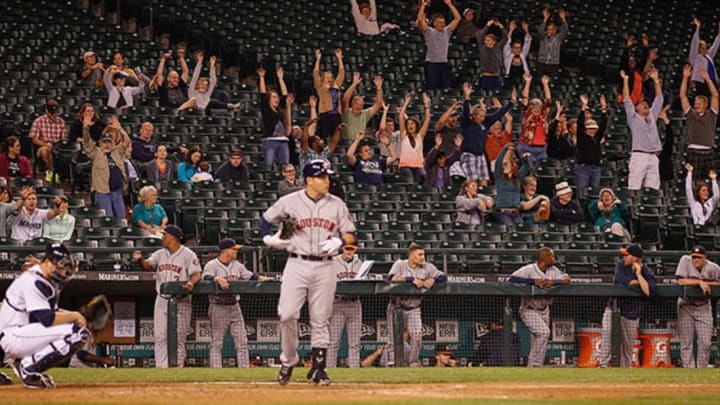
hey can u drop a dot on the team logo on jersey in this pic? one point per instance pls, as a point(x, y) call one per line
point(25, 223)
point(169, 267)
point(323, 223)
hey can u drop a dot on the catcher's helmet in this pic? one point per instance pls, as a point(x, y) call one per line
point(64, 263)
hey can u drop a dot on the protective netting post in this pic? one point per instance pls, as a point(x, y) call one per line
point(615, 336)
point(507, 351)
point(398, 326)
point(172, 345)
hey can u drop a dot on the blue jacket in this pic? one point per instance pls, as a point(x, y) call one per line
point(474, 135)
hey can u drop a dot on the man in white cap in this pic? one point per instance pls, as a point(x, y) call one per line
point(469, 25)
point(92, 70)
point(695, 314)
point(563, 209)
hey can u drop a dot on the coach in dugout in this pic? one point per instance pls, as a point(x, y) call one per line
point(630, 270)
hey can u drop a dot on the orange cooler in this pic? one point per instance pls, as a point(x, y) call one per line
point(589, 340)
point(656, 348)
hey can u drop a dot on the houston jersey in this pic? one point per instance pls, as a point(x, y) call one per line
point(317, 221)
point(178, 266)
point(232, 271)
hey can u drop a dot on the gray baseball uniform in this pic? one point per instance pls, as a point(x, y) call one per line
point(695, 314)
point(412, 316)
point(309, 272)
point(225, 313)
point(535, 311)
point(347, 311)
point(178, 266)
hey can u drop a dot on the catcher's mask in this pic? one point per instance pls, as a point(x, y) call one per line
point(64, 264)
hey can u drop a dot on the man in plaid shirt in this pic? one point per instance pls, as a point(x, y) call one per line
point(45, 131)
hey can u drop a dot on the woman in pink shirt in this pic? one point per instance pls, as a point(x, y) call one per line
point(412, 161)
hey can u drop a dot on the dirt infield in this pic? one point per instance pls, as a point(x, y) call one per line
point(225, 393)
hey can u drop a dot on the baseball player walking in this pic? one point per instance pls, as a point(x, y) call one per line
point(423, 276)
point(347, 311)
point(323, 225)
point(535, 311)
point(224, 309)
point(174, 262)
point(695, 314)
point(628, 271)
point(34, 333)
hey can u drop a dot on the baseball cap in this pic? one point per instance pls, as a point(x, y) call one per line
point(175, 231)
point(697, 251)
point(443, 349)
point(88, 53)
point(119, 73)
point(236, 152)
point(591, 124)
point(352, 246)
point(51, 106)
point(562, 188)
point(228, 243)
point(466, 11)
point(106, 137)
point(317, 168)
point(633, 249)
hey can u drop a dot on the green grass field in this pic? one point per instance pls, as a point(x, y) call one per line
point(394, 375)
point(374, 378)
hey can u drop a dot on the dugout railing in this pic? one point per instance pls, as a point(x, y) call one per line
point(457, 310)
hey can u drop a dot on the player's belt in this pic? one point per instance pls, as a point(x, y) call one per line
point(311, 257)
point(698, 303)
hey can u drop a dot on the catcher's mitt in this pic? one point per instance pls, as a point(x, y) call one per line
point(289, 227)
point(97, 312)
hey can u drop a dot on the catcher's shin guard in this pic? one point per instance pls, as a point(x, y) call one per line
point(56, 352)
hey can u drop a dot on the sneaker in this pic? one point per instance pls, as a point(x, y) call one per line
point(284, 375)
point(32, 380)
point(4, 379)
point(319, 377)
point(50, 175)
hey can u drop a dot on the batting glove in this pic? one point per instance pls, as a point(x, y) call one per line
point(331, 246)
point(274, 241)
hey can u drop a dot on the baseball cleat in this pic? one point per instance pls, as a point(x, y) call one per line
point(32, 380)
point(284, 375)
point(4, 379)
point(319, 377)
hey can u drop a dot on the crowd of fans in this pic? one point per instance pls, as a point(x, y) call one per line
point(472, 140)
